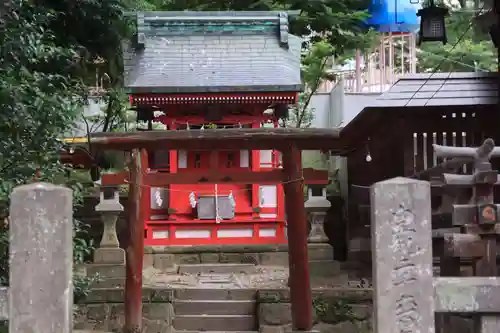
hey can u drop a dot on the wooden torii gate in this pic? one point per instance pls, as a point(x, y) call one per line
point(290, 141)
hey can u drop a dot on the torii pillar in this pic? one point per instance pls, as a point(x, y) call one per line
point(299, 281)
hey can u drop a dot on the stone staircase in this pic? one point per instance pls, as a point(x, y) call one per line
point(215, 310)
point(110, 275)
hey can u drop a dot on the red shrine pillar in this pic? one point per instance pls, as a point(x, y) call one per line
point(135, 250)
point(255, 166)
point(299, 281)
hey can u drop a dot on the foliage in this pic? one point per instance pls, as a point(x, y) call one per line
point(316, 59)
point(333, 310)
point(39, 95)
point(315, 62)
point(96, 28)
point(48, 51)
point(474, 50)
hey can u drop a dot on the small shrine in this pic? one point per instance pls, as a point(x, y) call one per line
point(207, 71)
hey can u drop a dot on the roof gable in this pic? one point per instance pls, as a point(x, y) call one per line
point(189, 52)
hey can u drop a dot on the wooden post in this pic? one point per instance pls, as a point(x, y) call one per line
point(41, 259)
point(135, 249)
point(300, 286)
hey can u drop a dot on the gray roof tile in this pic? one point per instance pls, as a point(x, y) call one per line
point(440, 89)
point(213, 61)
point(431, 91)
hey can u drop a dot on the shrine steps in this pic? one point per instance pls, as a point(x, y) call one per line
point(215, 310)
point(218, 268)
point(224, 323)
point(108, 275)
point(214, 307)
point(215, 294)
point(216, 331)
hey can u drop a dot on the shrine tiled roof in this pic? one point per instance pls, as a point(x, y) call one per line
point(207, 52)
point(440, 89)
point(417, 93)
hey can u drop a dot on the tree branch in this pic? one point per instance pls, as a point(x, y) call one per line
point(308, 99)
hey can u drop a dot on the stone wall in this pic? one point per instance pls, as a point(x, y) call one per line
point(334, 310)
point(103, 310)
point(164, 257)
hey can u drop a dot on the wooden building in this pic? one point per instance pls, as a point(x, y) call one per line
point(213, 70)
point(398, 130)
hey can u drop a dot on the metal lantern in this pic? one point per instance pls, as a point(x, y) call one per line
point(432, 26)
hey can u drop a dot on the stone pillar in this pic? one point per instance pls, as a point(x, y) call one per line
point(316, 207)
point(41, 259)
point(109, 251)
point(401, 236)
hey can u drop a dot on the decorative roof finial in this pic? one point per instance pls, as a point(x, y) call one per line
point(283, 33)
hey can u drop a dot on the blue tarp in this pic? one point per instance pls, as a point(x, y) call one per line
point(394, 15)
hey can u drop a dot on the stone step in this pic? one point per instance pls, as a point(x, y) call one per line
point(105, 270)
point(109, 283)
point(324, 268)
point(182, 331)
point(229, 323)
point(215, 294)
point(217, 268)
point(211, 307)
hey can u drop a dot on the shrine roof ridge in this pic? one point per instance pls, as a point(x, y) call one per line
point(157, 24)
point(211, 15)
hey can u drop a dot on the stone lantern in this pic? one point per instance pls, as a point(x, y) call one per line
point(316, 208)
point(109, 251)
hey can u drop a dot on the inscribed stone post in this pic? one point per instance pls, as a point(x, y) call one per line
point(402, 257)
point(41, 259)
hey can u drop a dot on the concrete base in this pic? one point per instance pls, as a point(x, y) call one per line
point(109, 256)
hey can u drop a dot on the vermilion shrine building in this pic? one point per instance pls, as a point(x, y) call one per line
point(207, 70)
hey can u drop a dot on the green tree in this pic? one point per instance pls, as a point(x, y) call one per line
point(39, 96)
point(473, 50)
point(316, 59)
point(46, 58)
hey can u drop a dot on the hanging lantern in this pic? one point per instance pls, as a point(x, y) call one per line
point(432, 26)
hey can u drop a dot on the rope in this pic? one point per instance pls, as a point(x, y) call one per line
point(301, 179)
